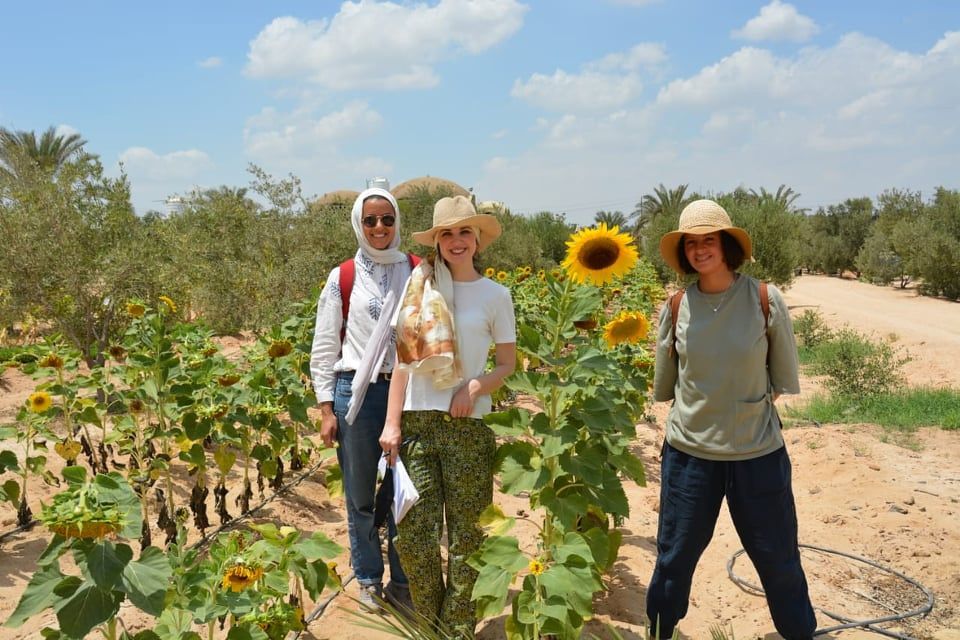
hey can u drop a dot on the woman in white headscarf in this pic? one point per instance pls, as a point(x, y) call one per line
point(350, 363)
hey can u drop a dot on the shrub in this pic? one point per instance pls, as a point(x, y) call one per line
point(857, 366)
point(811, 330)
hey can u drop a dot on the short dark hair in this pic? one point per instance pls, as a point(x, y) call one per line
point(733, 253)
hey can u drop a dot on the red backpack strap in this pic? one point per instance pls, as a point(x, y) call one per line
point(348, 271)
point(674, 301)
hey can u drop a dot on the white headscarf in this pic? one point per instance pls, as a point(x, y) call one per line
point(372, 286)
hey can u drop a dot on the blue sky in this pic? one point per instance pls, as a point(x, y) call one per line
point(571, 106)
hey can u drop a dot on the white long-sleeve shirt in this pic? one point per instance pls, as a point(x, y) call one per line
point(327, 356)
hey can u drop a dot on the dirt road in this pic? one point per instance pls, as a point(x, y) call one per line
point(927, 329)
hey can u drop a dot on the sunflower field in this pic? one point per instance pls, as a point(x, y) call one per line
point(168, 406)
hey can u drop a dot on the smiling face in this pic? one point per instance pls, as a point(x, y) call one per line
point(457, 245)
point(379, 236)
point(705, 253)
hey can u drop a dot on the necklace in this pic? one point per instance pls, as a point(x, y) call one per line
point(723, 297)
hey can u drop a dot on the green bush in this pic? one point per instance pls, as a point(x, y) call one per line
point(856, 366)
point(811, 330)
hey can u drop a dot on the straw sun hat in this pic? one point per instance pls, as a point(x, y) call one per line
point(458, 211)
point(698, 218)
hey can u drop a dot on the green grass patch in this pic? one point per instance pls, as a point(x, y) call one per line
point(904, 410)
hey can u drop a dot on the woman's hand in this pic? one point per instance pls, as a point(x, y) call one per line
point(328, 424)
point(390, 439)
point(461, 406)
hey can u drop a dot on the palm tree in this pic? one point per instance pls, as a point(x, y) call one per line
point(50, 152)
point(662, 201)
point(612, 218)
point(784, 197)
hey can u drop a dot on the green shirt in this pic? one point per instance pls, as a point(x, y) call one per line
point(719, 379)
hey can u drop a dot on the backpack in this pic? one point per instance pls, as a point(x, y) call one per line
point(348, 272)
point(675, 310)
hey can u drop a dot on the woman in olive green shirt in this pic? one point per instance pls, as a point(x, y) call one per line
point(723, 363)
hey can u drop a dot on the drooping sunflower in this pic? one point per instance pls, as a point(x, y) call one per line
point(240, 576)
point(39, 402)
point(228, 380)
point(117, 352)
point(536, 567)
point(599, 254)
point(629, 326)
point(171, 305)
point(51, 360)
point(135, 309)
point(280, 348)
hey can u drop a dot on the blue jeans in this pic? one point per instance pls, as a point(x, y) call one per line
point(760, 497)
point(358, 454)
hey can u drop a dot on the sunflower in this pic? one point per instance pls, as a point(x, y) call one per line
point(135, 309)
point(51, 360)
point(171, 305)
point(489, 272)
point(599, 254)
point(39, 402)
point(629, 326)
point(239, 576)
point(536, 567)
point(501, 276)
point(136, 406)
point(279, 348)
point(117, 352)
point(91, 529)
point(228, 380)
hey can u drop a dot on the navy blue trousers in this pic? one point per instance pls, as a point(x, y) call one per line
point(760, 497)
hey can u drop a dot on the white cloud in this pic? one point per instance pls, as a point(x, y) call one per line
point(500, 135)
point(381, 44)
point(272, 135)
point(833, 122)
point(210, 63)
point(602, 85)
point(778, 21)
point(65, 130)
point(142, 163)
point(648, 55)
point(635, 3)
point(589, 91)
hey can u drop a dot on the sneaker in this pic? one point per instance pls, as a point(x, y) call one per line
point(398, 595)
point(370, 597)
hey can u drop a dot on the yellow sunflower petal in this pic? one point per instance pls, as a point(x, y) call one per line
point(629, 326)
point(599, 254)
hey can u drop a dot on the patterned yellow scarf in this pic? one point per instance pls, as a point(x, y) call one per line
point(426, 336)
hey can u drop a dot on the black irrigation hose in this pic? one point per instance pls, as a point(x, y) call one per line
point(849, 623)
point(16, 530)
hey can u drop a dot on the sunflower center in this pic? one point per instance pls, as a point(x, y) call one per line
point(599, 253)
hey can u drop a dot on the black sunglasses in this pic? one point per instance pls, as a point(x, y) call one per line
point(371, 221)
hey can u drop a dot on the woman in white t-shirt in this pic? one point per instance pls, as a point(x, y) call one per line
point(448, 319)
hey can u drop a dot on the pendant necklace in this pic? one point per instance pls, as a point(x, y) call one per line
point(723, 297)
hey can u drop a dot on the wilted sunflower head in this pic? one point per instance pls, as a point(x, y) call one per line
point(228, 380)
point(240, 576)
point(170, 304)
point(280, 348)
point(51, 360)
point(629, 326)
point(599, 254)
point(117, 352)
point(136, 406)
point(39, 402)
point(135, 309)
point(90, 529)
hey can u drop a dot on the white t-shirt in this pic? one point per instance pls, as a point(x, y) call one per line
point(483, 316)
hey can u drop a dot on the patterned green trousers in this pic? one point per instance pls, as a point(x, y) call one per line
point(450, 461)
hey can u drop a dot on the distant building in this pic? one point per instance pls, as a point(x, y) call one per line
point(172, 205)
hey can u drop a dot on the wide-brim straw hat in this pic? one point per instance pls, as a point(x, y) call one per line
point(698, 218)
point(458, 211)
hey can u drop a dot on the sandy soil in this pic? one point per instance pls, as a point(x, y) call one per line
point(891, 499)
